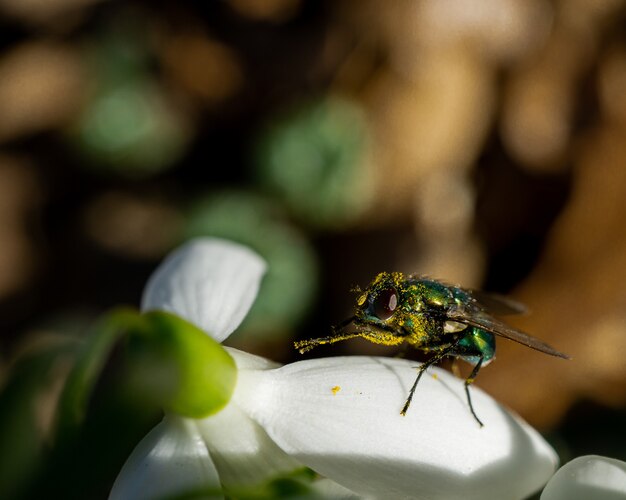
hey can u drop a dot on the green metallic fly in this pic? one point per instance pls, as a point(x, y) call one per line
point(435, 318)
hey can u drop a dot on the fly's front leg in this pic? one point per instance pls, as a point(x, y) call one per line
point(306, 345)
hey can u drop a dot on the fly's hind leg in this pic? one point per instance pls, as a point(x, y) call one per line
point(468, 381)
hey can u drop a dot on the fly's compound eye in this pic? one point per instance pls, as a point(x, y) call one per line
point(385, 303)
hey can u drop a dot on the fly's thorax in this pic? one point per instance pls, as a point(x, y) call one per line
point(412, 298)
point(431, 293)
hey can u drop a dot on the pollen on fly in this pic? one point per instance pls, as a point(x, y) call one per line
point(440, 320)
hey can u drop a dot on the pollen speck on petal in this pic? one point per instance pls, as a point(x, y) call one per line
point(358, 438)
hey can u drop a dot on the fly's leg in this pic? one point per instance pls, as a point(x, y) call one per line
point(306, 345)
point(468, 381)
point(422, 369)
point(337, 336)
point(438, 357)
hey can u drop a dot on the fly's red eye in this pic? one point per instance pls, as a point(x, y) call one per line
point(385, 303)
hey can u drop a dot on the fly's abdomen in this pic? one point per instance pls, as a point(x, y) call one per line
point(477, 343)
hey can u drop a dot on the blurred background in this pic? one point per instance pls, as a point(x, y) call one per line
point(481, 142)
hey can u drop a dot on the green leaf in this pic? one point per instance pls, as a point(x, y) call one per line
point(89, 364)
point(22, 438)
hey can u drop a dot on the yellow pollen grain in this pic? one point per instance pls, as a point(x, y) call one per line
point(335, 390)
point(434, 375)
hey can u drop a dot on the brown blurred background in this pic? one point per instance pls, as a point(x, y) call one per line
point(481, 142)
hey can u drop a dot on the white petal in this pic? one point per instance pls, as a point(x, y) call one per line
point(586, 477)
point(242, 451)
point(246, 361)
point(172, 459)
point(341, 417)
point(209, 282)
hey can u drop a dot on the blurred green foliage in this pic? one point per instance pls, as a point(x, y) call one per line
point(296, 485)
point(129, 125)
point(22, 439)
point(315, 159)
point(131, 129)
point(121, 377)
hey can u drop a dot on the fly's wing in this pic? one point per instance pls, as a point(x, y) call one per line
point(479, 319)
point(497, 304)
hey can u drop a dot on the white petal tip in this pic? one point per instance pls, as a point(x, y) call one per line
point(208, 281)
point(171, 460)
point(591, 476)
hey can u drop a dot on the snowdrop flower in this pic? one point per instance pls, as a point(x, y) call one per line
point(339, 416)
point(586, 477)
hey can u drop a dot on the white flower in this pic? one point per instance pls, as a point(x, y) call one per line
point(339, 416)
point(587, 477)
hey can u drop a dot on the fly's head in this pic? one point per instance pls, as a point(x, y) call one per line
point(384, 305)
